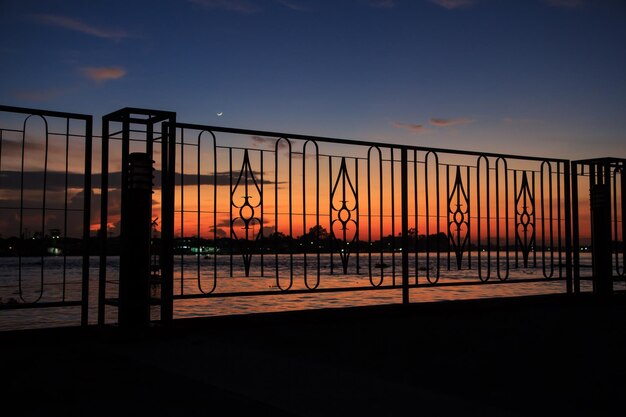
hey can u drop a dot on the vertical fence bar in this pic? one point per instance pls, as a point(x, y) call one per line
point(415, 202)
point(43, 206)
point(568, 225)
point(262, 217)
point(405, 225)
point(124, 216)
point(182, 210)
point(592, 182)
point(623, 201)
point(469, 219)
point(393, 216)
point(330, 213)
point(448, 211)
point(167, 214)
point(534, 216)
point(199, 204)
point(65, 195)
point(357, 240)
point(104, 204)
point(84, 314)
point(575, 228)
point(559, 218)
point(230, 208)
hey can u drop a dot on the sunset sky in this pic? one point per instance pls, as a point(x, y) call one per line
point(535, 77)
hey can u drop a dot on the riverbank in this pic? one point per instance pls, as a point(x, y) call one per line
point(539, 355)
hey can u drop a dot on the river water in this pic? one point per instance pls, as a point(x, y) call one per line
point(61, 281)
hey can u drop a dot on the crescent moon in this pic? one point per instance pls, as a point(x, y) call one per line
point(220, 113)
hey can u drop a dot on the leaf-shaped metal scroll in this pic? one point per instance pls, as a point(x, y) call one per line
point(458, 218)
point(525, 219)
point(345, 215)
point(247, 237)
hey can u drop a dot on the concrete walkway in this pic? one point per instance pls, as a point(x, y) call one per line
point(545, 355)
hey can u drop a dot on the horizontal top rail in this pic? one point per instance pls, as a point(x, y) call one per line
point(38, 112)
point(152, 116)
point(610, 160)
point(359, 142)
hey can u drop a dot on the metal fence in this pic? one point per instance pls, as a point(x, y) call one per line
point(45, 207)
point(306, 210)
point(252, 215)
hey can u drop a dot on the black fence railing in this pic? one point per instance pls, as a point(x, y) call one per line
point(45, 207)
point(239, 217)
point(305, 211)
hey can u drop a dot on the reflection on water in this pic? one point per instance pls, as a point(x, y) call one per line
point(61, 281)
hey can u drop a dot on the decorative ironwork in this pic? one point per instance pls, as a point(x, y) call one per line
point(502, 170)
point(40, 290)
point(486, 204)
point(301, 245)
point(345, 214)
point(214, 227)
point(246, 212)
point(380, 265)
point(458, 218)
point(437, 196)
point(283, 141)
point(525, 219)
point(547, 267)
point(317, 227)
point(46, 205)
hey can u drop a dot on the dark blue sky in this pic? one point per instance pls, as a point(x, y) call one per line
point(538, 77)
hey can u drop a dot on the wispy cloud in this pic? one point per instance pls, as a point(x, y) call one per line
point(262, 141)
point(14, 148)
point(78, 26)
point(415, 128)
point(450, 122)
point(454, 4)
point(383, 4)
point(101, 74)
point(565, 3)
point(238, 6)
point(293, 5)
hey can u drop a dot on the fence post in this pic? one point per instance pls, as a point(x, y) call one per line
point(405, 225)
point(134, 307)
point(168, 184)
point(84, 315)
point(575, 228)
point(600, 198)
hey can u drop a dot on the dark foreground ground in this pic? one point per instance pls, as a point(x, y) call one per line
point(547, 355)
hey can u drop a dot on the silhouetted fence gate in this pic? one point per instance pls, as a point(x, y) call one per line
point(189, 212)
point(45, 206)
